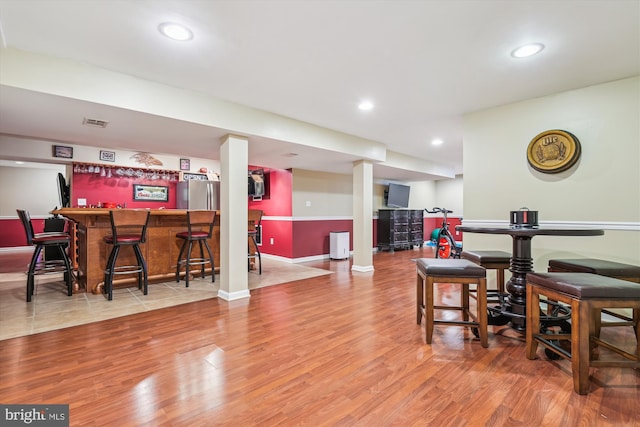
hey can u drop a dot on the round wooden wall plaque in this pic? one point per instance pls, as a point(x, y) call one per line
point(553, 151)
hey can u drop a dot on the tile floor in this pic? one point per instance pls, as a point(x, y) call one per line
point(52, 309)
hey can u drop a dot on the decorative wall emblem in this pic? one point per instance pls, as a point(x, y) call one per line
point(553, 151)
point(146, 159)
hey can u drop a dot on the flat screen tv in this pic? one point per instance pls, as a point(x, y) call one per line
point(256, 183)
point(398, 196)
point(64, 192)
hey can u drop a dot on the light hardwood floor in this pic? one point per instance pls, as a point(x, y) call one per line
point(341, 349)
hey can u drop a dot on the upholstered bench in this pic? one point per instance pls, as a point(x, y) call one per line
point(491, 260)
point(604, 268)
point(586, 294)
point(459, 271)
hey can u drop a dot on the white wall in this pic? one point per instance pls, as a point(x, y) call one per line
point(601, 190)
point(31, 187)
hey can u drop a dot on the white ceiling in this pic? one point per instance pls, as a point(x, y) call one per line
point(423, 63)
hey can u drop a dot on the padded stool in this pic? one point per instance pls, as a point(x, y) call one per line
point(128, 228)
point(604, 268)
point(199, 229)
point(37, 266)
point(437, 270)
point(586, 294)
point(491, 260)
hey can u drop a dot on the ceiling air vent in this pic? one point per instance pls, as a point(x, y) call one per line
point(95, 123)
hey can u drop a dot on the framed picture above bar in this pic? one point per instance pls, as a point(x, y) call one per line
point(151, 193)
point(63, 152)
point(185, 164)
point(107, 156)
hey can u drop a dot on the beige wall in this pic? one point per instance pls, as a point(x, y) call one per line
point(330, 195)
point(602, 190)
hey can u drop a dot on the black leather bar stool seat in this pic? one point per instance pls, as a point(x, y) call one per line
point(459, 271)
point(128, 228)
point(199, 229)
point(38, 266)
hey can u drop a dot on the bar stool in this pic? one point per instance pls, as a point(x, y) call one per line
point(437, 270)
point(59, 241)
point(196, 221)
point(586, 294)
point(491, 260)
point(255, 222)
point(606, 268)
point(128, 228)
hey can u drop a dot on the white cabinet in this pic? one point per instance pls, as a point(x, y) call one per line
point(339, 245)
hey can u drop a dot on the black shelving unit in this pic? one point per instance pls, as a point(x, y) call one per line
point(399, 229)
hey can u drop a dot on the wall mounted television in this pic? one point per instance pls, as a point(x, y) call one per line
point(256, 183)
point(397, 196)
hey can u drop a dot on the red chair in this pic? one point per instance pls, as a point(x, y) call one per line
point(38, 266)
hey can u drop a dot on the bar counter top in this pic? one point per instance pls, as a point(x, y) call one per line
point(160, 250)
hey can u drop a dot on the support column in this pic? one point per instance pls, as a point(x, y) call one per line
point(234, 207)
point(362, 216)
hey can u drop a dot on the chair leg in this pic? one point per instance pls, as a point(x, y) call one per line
point(188, 262)
point(143, 265)
point(482, 312)
point(213, 267)
point(533, 322)
point(419, 297)
point(184, 245)
point(580, 346)
point(257, 254)
point(31, 273)
point(500, 280)
point(108, 275)
point(202, 255)
point(68, 274)
point(429, 310)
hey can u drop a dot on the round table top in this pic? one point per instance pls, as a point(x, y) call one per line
point(533, 231)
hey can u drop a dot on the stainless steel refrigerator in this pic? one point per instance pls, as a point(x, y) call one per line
point(192, 194)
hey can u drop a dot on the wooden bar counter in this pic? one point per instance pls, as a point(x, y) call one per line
point(160, 250)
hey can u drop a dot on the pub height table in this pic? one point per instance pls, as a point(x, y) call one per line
point(513, 308)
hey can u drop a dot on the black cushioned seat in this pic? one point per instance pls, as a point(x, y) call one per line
point(587, 295)
point(586, 285)
point(447, 267)
point(597, 266)
point(460, 271)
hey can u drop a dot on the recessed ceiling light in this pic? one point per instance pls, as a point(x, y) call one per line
point(437, 141)
point(527, 50)
point(365, 106)
point(175, 31)
point(19, 163)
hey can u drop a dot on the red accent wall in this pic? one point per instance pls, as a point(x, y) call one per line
point(13, 234)
point(280, 200)
point(117, 189)
point(311, 238)
point(432, 223)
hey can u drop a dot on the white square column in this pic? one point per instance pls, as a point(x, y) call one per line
point(362, 216)
point(234, 211)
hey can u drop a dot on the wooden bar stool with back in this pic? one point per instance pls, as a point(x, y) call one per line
point(128, 228)
point(199, 229)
